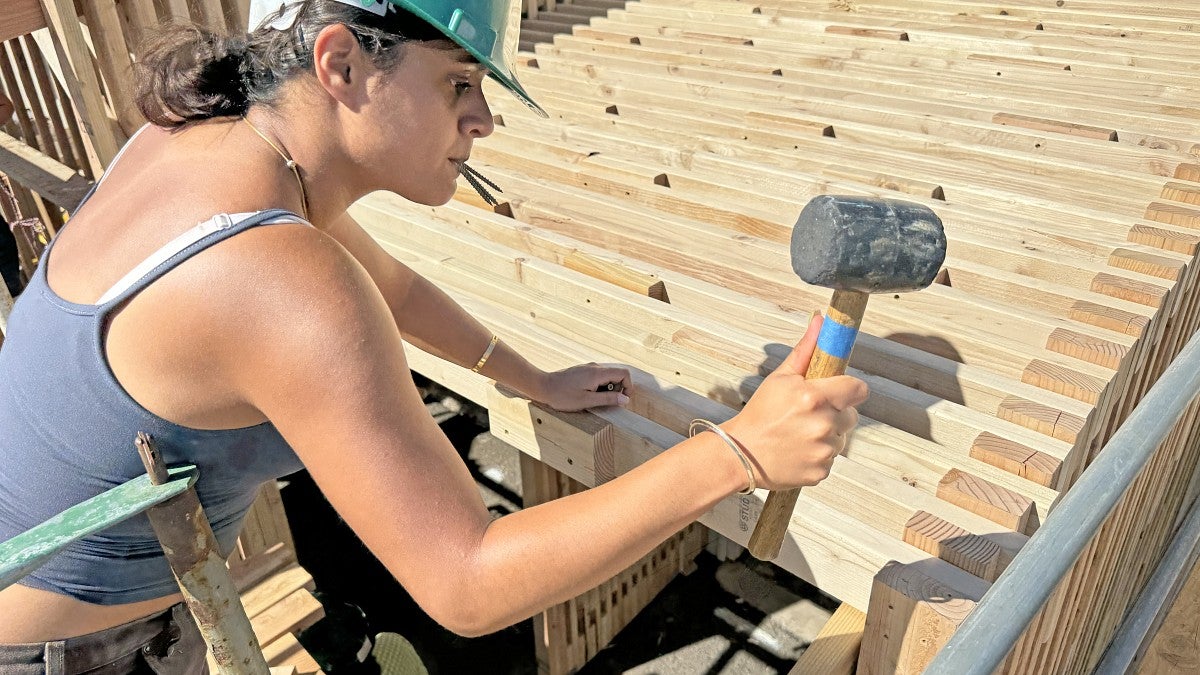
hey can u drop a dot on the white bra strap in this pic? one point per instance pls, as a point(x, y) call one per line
point(221, 221)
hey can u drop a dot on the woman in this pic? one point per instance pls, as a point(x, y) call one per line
point(275, 341)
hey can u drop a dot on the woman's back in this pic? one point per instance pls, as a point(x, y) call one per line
point(115, 361)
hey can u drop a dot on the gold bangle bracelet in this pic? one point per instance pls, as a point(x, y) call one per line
point(487, 354)
point(733, 445)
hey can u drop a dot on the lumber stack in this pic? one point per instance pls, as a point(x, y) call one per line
point(647, 223)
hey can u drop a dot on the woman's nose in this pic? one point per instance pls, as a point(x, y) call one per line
point(478, 122)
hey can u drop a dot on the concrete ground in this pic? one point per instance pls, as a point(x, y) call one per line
point(736, 616)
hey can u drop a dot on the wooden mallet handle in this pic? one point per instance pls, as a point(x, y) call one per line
point(829, 359)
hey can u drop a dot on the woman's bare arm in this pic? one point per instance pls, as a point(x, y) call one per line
point(326, 366)
point(317, 350)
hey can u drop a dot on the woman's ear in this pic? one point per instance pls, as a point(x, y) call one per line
point(341, 65)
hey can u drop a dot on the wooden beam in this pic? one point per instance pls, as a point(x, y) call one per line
point(835, 649)
point(51, 179)
point(75, 61)
point(20, 17)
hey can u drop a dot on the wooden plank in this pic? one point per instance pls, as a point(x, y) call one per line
point(1055, 126)
point(835, 649)
point(868, 32)
point(113, 56)
point(142, 17)
point(250, 571)
point(19, 18)
point(275, 589)
point(81, 83)
point(175, 10)
point(287, 650)
point(57, 107)
point(292, 614)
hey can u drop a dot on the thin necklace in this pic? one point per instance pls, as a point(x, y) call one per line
point(291, 164)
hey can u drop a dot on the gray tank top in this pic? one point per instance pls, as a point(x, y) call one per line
point(67, 429)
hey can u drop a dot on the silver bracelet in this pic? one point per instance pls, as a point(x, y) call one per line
point(733, 445)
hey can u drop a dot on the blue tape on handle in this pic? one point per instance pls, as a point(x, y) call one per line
point(835, 339)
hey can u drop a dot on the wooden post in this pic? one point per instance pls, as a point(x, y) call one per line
point(81, 83)
point(196, 561)
point(912, 614)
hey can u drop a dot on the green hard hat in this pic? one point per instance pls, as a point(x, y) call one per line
point(478, 26)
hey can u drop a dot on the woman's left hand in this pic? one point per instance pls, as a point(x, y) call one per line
point(575, 388)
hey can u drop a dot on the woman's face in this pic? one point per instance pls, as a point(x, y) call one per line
point(426, 112)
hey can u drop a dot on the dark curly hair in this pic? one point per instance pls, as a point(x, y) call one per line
point(188, 73)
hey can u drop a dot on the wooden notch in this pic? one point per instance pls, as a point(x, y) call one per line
point(1017, 459)
point(1153, 265)
point(1166, 239)
point(1041, 418)
point(1089, 348)
point(1189, 172)
point(1062, 380)
point(1172, 213)
point(969, 552)
point(880, 33)
point(1054, 126)
point(1107, 317)
point(617, 274)
point(981, 497)
point(1181, 192)
point(1133, 290)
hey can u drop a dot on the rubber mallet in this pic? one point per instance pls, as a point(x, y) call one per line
point(856, 246)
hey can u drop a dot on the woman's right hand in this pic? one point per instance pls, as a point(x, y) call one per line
point(792, 428)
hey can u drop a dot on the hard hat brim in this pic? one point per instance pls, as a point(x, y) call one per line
point(495, 63)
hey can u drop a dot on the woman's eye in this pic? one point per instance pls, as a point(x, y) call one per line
point(462, 86)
